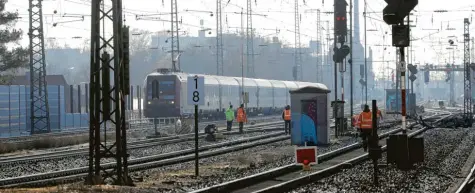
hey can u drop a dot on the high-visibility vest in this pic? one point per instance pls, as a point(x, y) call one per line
point(229, 115)
point(287, 114)
point(366, 120)
point(241, 116)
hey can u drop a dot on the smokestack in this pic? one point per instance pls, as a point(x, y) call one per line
point(356, 18)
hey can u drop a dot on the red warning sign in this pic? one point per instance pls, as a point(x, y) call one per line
point(307, 154)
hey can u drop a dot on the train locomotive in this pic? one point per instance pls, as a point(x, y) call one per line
point(165, 95)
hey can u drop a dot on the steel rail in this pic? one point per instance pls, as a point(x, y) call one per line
point(84, 130)
point(132, 145)
point(311, 178)
point(248, 181)
point(468, 183)
point(139, 164)
point(143, 163)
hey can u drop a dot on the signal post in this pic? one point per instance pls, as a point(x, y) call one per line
point(402, 151)
point(196, 94)
point(339, 56)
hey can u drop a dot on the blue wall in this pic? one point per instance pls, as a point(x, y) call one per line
point(15, 111)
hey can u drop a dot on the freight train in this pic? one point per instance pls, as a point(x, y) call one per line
point(165, 95)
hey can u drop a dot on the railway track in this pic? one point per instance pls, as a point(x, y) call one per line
point(289, 177)
point(468, 183)
point(84, 131)
point(261, 127)
point(131, 145)
point(144, 163)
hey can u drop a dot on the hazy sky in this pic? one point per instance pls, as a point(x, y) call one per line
point(431, 26)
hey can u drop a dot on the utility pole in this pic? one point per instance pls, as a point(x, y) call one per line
point(385, 68)
point(351, 61)
point(250, 41)
point(298, 74)
point(398, 60)
point(219, 40)
point(319, 49)
point(339, 57)
point(365, 57)
point(219, 47)
point(107, 94)
point(39, 108)
point(242, 58)
point(329, 51)
point(467, 103)
point(175, 42)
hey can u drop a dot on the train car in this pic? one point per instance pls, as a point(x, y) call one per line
point(165, 95)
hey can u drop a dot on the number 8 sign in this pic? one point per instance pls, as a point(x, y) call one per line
point(195, 90)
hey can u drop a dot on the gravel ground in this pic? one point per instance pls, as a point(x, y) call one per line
point(74, 162)
point(446, 151)
point(219, 169)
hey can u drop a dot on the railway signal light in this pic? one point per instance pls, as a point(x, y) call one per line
point(396, 10)
point(341, 53)
point(125, 61)
point(412, 68)
point(362, 82)
point(106, 86)
point(400, 36)
point(344, 51)
point(340, 18)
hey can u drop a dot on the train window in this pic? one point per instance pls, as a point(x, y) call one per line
point(155, 89)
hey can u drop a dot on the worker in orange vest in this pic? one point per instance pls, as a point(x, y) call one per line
point(286, 116)
point(241, 117)
point(365, 122)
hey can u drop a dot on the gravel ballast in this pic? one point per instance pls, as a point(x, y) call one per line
point(446, 151)
point(21, 169)
point(219, 169)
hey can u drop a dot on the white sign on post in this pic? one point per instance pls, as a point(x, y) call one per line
point(196, 90)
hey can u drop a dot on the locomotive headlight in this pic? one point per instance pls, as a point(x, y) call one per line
point(173, 102)
point(149, 102)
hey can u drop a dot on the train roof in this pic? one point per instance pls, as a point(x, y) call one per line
point(229, 80)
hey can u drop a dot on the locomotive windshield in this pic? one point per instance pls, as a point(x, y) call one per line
point(162, 90)
point(161, 94)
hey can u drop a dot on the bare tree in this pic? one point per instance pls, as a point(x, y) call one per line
point(139, 40)
point(52, 43)
point(14, 58)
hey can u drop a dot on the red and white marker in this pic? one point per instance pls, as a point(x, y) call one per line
point(306, 156)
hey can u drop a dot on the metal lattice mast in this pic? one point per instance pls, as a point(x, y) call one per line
point(175, 49)
point(472, 56)
point(106, 99)
point(250, 41)
point(39, 108)
point(467, 102)
point(219, 39)
point(298, 54)
point(319, 49)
